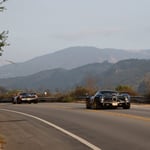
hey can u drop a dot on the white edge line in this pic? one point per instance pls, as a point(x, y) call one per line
point(81, 140)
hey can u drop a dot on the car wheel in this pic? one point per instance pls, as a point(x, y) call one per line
point(36, 101)
point(18, 101)
point(94, 105)
point(13, 101)
point(126, 106)
point(88, 107)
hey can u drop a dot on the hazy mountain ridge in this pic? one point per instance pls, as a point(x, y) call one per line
point(70, 58)
point(126, 72)
point(56, 78)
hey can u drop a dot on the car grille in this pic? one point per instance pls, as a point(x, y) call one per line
point(110, 99)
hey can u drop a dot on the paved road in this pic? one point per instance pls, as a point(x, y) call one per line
point(115, 129)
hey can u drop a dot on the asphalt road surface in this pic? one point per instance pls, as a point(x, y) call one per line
point(69, 126)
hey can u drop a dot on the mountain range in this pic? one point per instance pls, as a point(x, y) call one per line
point(70, 58)
point(104, 75)
point(71, 67)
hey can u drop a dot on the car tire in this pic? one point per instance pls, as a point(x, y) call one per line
point(126, 106)
point(36, 101)
point(18, 101)
point(88, 107)
point(94, 105)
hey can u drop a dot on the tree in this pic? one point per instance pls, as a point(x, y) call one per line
point(144, 87)
point(126, 88)
point(91, 84)
point(3, 35)
point(2, 90)
point(79, 91)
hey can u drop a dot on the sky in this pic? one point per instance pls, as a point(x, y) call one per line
point(39, 27)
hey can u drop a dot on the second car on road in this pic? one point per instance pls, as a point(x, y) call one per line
point(25, 97)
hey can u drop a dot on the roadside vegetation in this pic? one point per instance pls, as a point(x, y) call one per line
point(144, 87)
point(126, 89)
point(79, 93)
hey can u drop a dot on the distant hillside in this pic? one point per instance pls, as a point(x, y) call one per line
point(69, 58)
point(127, 72)
point(61, 79)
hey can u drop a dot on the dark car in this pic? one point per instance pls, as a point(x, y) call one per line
point(25, 97)
point(108, 99)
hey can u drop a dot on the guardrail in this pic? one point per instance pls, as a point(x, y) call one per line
point(140, 99)
point(134, 99)
point(41, 99)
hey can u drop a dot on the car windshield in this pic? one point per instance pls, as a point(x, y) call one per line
point(23, 94)
point(27, 94)
point(32, 93)
point(106, 93)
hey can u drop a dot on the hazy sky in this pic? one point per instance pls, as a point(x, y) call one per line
point(38, 27)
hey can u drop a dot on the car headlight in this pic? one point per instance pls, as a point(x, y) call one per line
point(102, 99)
point(126, 99)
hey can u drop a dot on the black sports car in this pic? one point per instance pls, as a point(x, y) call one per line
point(108, 99)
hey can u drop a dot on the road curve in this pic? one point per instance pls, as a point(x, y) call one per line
point(105, 129)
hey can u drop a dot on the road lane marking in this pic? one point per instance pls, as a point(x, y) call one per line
point(81, 140)
point(130, 116)
point(123, 115)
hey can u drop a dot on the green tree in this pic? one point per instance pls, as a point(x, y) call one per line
point(2, 7)
point(126, 88)
point(144, 86)
point(2, 90)
point(79, 91)
point(3, 35)
point(91, 84)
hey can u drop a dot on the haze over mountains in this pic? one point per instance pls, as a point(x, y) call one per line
point(70, 58)
point(72, 67)
point(105, 75)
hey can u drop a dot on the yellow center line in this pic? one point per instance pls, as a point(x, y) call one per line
point(123, 115)
point(147, 119)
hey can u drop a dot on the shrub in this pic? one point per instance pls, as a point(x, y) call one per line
point(67, 98)
point(79, 91)
point(127, 89)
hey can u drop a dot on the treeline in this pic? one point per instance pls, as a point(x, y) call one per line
point(76, 94)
